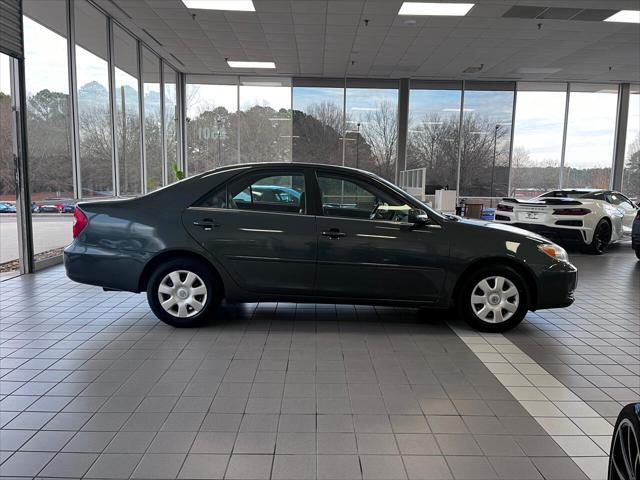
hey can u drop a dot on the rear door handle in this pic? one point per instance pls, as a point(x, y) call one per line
point(206, 224)
point(333, 233)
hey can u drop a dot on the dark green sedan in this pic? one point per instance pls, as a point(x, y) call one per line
point(311, 233)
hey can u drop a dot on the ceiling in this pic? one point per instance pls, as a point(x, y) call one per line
point(366, 38)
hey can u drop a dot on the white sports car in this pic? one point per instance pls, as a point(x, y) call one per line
point(590, 218)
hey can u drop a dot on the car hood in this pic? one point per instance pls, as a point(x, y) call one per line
point(507, 229)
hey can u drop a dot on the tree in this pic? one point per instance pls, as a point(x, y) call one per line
point(631, 176)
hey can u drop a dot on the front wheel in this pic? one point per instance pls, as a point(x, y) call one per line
point(601, 238)
point(494, 299)
point(183, 292)
point(624, 458)
point(638, 252)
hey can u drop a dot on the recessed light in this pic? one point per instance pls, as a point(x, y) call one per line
point(625, 16)
point(242, 64)
point(429, 8)
point(231, 5)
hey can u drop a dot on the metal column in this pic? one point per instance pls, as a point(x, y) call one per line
point(622, 121)
point(403, 124)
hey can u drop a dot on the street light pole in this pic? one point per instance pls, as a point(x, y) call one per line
point(493, 168)
point(357, 144)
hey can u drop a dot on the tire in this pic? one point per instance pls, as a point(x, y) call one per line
point(488, 283)
point(601, 238)
point(192, 305)
point(638, 252)
point(624, 444)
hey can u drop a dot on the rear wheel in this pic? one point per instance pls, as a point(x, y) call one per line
point(638, 252)
point(624, 458)
point(183, 292)
point(494, 299)
point(601, 238)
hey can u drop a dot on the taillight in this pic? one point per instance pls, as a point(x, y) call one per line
point(79, 222)
point(571, 211)
point(505, 208)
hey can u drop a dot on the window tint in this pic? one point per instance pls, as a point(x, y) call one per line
point(345, 197)
point(261, 192)
point(620, 201)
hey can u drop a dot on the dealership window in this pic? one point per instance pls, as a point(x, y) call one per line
point(48, 123)
point(371, 126)
point(127, 112)
point(631, 172)
point(265, 120)
point(590, 135)
point(94, 116)
point(170, 78)
point(152, 119)
point(485, 139)
point(537, 138)
point(318, 120)
point(212, 113)
point(433, 131)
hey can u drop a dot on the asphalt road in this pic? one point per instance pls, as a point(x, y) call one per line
point(50, 230)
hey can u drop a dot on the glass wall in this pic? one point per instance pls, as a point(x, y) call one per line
point(590, 135)
point(127, 112)
point(485, 139)
point(9, 247)
point(264, 118)
point(48, 125)
point(537, 138)
point(170, 79)
point(631, 172)
point(152, 119)
point(433, 131)
point(94, 116)
point(318, 120)
point(212, 128)
point(371, 126)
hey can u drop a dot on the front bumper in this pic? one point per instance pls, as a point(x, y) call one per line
point(557, 285)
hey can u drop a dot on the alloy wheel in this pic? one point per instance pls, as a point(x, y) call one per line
point(624, 463)
point(182, 293)
point(601, 236)
point(495, 299)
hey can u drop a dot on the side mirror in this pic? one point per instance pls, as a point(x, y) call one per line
point(418, 217)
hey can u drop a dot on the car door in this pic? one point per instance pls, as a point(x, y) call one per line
point(266, 242)
point(367, 249)
point(628, 208)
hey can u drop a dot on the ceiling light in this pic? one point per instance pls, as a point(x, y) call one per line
point(428, 8)
point(231, 5)
point(625, 16)
point(241, 64)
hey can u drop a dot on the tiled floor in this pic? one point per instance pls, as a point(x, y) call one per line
point(94, 386)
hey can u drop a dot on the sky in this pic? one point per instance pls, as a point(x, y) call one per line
point(539, 115)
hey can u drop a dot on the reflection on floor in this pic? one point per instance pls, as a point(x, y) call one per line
point(94, 386)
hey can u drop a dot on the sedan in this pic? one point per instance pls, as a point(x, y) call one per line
point(346, 236)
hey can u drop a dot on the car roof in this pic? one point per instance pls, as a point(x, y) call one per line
point(323, 166)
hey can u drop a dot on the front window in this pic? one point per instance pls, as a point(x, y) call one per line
point(345, 197)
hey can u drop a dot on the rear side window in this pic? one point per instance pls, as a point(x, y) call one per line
point(283, 192)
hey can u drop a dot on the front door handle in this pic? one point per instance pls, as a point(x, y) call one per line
point(206, 224)
point(333, 233)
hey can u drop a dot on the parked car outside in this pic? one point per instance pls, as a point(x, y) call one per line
point(46, 208)
point(592, 219)
point(349, 237)
point(7, 207)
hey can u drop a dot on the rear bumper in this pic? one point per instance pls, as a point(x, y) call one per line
point(558, 234)
point(103, 267)
point(557, 285)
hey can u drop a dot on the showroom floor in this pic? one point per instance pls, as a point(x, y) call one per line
point(94, 386)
